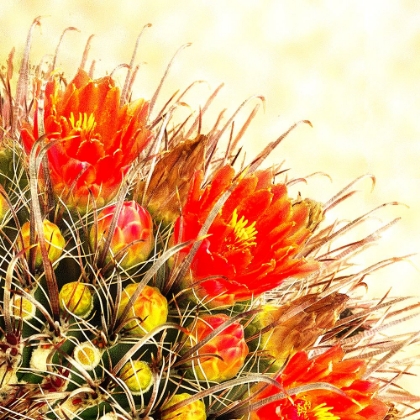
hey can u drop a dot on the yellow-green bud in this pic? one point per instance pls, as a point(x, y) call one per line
point(137, 375)
point(76, 298)
point(4, 207)
point(195, 410)
point(55, 241)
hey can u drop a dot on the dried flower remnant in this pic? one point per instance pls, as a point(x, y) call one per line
point(167, 191)
point(93, 139)
point(284, 336)
point(253, 243)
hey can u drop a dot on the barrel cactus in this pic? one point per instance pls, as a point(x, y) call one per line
point(147, 274)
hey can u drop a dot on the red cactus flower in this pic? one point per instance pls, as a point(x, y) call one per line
point(253, 243)
point(95, 139)
point(357, 400)
point(222, 357)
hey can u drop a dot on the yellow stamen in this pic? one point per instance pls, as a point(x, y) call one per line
point(305, 411)
point(244, 234)
point(322, 412)
point(84, 122)
point(303, 408)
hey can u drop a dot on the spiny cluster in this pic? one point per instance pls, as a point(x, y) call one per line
point(146, 275)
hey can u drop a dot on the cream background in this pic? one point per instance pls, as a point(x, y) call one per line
point(352, 68)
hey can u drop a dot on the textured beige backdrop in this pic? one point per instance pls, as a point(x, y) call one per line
point(352, 68)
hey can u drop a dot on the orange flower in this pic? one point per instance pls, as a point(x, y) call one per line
point(253, 243)
point(96, 139)
point(357, 401)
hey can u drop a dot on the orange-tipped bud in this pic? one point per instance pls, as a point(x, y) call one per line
point(222, 357)
point(150, 309)
point(195, 410)
point(55, 241)
point(132, 240)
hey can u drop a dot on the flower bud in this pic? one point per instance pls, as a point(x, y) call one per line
point(137, 375)
point(55, 241)
point(87, 355)
point(4, 207)
point(150, 309)
point(21, 307)
point(132, 240)
point(76, 298)
point(111, 416)
point(228, 347)
point(195, 410)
